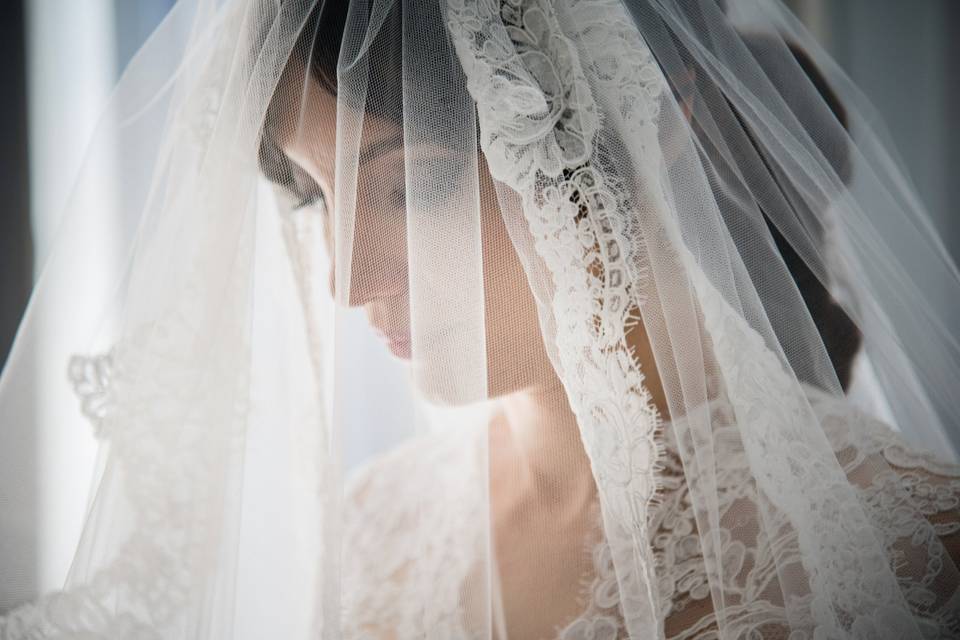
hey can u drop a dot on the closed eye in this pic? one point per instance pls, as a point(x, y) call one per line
point(307, 191)
point(313, 199)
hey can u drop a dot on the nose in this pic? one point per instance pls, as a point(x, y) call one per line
point(377, 267)
point(356, 297)
point(369, 283)
point(332, 282)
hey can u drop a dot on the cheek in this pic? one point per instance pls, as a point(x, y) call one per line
point(377, 258)
point(511, 309)
point(516, 357)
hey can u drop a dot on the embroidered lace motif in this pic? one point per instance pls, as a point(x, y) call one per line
point(932, 487)
point(434, 558)
point(541, 134)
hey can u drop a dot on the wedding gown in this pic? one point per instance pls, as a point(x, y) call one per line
point(620, 209)
point(395, 554)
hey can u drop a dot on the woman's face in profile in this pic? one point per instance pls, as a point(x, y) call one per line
point(455, 324)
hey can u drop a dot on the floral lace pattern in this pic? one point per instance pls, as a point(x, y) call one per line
point(156, 568)
point(932, 485)
point(877, 572)
point(540, 130)
point(411, 552)
point(172, 415)
point(845, 585)
point(387, 494)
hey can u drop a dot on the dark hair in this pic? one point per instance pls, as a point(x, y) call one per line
point(315, 55)
point(318, 49)
point(841, 336)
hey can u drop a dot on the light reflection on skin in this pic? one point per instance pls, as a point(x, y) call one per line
point(379, 280)
point(541, 484)
point(518, 369)
point(517, 366)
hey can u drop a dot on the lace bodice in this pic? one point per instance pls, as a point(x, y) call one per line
point(407, 551)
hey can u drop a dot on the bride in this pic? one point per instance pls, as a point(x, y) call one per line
point(635, 256)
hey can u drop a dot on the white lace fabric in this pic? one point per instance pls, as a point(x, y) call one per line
point(392, 558)
point(624, 223)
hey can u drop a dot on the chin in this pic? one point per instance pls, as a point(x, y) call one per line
point(447, 374)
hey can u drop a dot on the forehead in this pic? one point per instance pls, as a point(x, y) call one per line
point(310, 137)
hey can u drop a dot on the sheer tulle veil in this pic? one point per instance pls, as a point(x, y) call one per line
point(581, 319)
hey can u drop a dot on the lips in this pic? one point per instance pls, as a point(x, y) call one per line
point(397, 341)
point(400, 348)
point(390, 319)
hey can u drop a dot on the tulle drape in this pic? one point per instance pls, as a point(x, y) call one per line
point(623, 255)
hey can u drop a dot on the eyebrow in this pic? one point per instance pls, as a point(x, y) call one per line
point(380, 147)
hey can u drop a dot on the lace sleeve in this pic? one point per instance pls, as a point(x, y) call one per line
point(889, 471)
point(379, 549)
point(911, 498)
point(406, 545)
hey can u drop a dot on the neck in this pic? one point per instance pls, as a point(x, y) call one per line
point(536, 447)
point(540, 432)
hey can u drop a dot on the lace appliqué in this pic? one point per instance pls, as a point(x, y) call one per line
point(540, 130)
point(412, 552)
point(171, 414)
point(933, 487)
point(90, 377)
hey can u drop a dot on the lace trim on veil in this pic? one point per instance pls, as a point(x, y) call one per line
point(442, 541)
point(933, 487)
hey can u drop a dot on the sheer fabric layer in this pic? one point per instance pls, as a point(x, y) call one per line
point(488, 319)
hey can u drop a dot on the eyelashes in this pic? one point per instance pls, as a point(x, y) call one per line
point(306, 191)
point(311, 200)
point(445, 180)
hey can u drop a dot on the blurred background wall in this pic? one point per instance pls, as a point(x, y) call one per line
point(60, 58)
point(905, 56)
